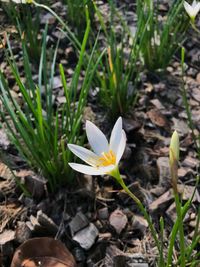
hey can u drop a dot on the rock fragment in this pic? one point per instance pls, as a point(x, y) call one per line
point(87, 236)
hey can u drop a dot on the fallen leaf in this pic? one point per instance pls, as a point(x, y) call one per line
point(157, 118)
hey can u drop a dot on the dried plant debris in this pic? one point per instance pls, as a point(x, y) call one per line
point(8, 213)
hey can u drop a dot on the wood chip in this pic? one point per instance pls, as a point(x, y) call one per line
point(7, 236)
point(87, 236)
point(164, 171)
point(186, 191)
point(157, 118)
point(79, 222)
point(139, 223)
point(190, 162)
point(4, 141)
point(161, 202)
point(118, 220)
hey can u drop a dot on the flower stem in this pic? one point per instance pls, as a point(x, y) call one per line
point(181, 231)
point(174, 169)
point(116, 174)
point(194, 26)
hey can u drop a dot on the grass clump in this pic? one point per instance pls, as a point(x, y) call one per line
point(38, 129)
point(163, 35)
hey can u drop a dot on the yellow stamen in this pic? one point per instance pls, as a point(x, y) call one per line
point(108, 158)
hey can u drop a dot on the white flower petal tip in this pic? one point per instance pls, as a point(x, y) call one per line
point(192, 10)
point(116, 135)
point(107, 156)
point(96, 138)
point(121, 147)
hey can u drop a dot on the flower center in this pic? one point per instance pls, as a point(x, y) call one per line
point(107, 158)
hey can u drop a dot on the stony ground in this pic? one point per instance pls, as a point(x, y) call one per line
point(94, 218)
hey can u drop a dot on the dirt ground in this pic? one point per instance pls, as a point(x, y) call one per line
point(94, 218)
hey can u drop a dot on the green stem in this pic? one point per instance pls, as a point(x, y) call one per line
point(115, 173)
point(174, 176)
point(194, 27)
point(175, 228)
point(181, 231)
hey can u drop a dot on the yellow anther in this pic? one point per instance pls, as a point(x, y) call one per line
point(108, 158)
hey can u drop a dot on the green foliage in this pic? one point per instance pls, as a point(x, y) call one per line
point(76, 15)
point(119, 72)
point(40, 131)
point(27, 22)
point(162, 35)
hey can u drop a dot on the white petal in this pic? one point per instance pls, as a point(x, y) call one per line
point(19, 1)
point(91, 170)
point(84, 154)
point(198, 7)
point(194, 3)
point(116, 136)
point(96, 138)
point(121, 147)
point(192, 12)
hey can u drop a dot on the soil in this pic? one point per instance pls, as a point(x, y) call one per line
point(93, 217)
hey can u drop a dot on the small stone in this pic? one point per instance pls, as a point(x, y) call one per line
point(87, 236)
point(103, 213)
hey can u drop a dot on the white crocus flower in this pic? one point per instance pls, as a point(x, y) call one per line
point(105, 156)
point(192, 10)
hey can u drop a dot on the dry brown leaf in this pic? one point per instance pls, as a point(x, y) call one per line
point(157, 118)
